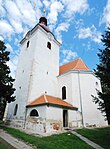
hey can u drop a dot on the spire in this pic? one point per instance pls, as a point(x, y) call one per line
point(43, 19)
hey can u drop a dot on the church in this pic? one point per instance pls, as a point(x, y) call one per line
point(49, 97)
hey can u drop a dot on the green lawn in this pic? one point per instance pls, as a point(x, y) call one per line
point(100, 136)
point(61, 141)
point(5, 145)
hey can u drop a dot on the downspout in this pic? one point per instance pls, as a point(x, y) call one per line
point(80, 98)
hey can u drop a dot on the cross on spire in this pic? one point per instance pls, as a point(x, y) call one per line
point(44, 12)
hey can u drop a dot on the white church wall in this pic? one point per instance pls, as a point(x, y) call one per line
point(36, 124)
point(80, 86)
point(23, 74)
point(54, 117)
point(45, 67)
point(91, 115)
point(65, 80)
point(74, 119)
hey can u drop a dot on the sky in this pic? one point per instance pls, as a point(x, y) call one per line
point(77, 24)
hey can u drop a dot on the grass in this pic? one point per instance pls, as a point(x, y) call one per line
point(5, 145)
point(61, 141)
point(100, 136)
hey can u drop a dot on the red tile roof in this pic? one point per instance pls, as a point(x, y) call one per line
point(77, 64)
point(50, 100)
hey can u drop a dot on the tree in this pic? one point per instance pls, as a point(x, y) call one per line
point(103, 72)
point(6, 81)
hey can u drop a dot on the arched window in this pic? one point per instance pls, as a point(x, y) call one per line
point(49, 45)
point(34, 113)
point(28, 44)
point(16, 108)
point(63, 92)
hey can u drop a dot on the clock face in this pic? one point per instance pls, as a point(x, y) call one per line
point(50, 36)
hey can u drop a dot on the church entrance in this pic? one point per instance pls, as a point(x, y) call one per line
point(65, 118)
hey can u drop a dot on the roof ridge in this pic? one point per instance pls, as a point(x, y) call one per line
point(45, 98)
point(77, 62)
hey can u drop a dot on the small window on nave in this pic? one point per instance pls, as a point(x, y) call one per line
point(16, 109)
point(34, 112)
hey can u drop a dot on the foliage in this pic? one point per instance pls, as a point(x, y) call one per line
point(103, 72)
point(60, 141)
point(6, 81)
point(100, 136)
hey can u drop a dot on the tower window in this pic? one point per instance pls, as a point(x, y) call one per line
point(28, 44)
point(34, 112)
point(49, 45)
point(63, 92)
point(16, 108)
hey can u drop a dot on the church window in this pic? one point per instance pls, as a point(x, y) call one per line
point(16, 108)
point(28, 44)
point(49, 45)
point(34, 112)
point(63, 92)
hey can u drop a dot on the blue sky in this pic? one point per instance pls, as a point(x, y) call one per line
point(77, 24)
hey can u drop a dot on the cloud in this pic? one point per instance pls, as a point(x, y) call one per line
point(5, 28)
point(62, 27)
point(1, 38)
point(2, 10)
point(90, 32)
point(12, 65)
point(106, 14)
point(9, 48)
point(68, 55)
point(72, 7)
point(55, 8)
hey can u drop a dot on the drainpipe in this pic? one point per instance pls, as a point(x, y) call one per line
point(80, 98)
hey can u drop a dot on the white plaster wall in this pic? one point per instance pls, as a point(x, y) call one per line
point(32, 79)
point(22, 78)
point(45, 67)
point(65, 80)
point(80, 86)
point(54, 113)
point(41, 111)
point(74, 119)
point(91, 115)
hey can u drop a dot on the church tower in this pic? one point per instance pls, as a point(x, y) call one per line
point(38, 68)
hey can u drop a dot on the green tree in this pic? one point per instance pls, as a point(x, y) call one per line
point(103, 72)
point(6, 81)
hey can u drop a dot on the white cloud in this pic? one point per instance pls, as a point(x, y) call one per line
point(78, 6)
point(62, 27)
point(55, 8)
point(17, 26)
point(28, 12)
point(1, 38)
point(13, 64)
point(2, 10)
point(106, 14)
point(5, 28)
point(9, 48)
point(90, 32)
point(68, 55)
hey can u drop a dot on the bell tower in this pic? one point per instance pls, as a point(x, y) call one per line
point(38, 67)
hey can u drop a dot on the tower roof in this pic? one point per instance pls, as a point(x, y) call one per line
point(50, 100)
point(43, 20)
point(77, 64)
